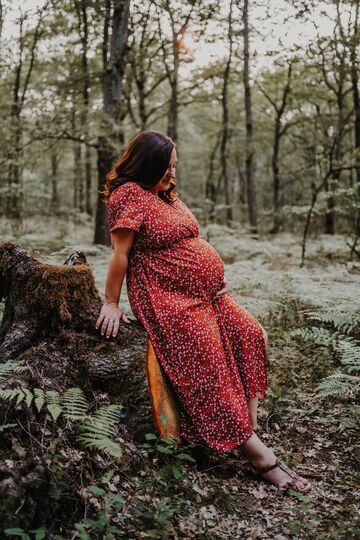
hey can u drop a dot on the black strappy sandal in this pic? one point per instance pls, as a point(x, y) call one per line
point(258, 472)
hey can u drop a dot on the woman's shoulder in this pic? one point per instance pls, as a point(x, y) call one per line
point(128, 187)
point(128, 191)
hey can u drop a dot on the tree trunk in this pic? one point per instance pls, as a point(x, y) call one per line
point(21, 83)
point(330, 214)
point(251, 195)
point(14, 200)
point(355, 92)
point(105, 159)
point(81, 9)
point(173, 74)
point(139, 71)
point(225, 130)
point(242, 185)
point(78, 193)
point(173, 113)
point(276, 177)
point(142, 109)
point(356, 100)
point(54, 204)
point(334, 180)
point(279, 132)
point(210, 188)
point(1, 18)
point(86, 101)
point(88, 180)
point(173, 71)
point(109, 141)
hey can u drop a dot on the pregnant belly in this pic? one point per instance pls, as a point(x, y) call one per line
point(192, 267)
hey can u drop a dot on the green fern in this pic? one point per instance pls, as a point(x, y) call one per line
point(342, 321)
point(338, 384)
point(320, 336)
point(4, 427)
point(10, 367)
point(337, 339)
point(352, 420)
point(53, 401)
point(98, 429)
point(104, 421)
point(75, 404)
point(349, 351)
point(347, 423)
point(39, 398)
point(29, 396)
point(18, 394)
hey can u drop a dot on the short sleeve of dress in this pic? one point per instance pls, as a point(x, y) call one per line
point(126, 207)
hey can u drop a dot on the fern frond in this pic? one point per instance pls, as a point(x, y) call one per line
point(11, 366)
point(106, 419)
point(338, 384)
point(103, 423)
point(4, 427)
point(98, 429)
point(350, 354)
point(13, 393)
point(21, 396)
point(352, 420)
point(29, 396)
point(53, 404)
point(39, 398)
point(75, 404)
point(105, 444)
point(320, 336)
point(342, 321)
point(348, 423)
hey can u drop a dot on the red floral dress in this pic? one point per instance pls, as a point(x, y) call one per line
point(212, 350)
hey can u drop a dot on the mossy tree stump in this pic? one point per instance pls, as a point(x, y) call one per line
point(49, 321)
point(48, 325)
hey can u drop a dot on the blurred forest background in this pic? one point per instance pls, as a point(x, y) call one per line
point(262, 99)
point(264, 107)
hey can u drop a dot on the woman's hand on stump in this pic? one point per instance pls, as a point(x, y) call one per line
point(109, 319)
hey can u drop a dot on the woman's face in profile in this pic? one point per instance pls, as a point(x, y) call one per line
point(169, 175)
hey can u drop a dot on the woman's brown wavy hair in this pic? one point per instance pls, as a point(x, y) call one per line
point(144, 161)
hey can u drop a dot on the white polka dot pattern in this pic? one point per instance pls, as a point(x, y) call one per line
point(212, 350)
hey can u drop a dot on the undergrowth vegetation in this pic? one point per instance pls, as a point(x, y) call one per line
point(99, 487)
point(334, 337)
point(95, 431)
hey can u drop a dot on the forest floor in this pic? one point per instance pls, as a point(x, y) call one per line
point(214, 498)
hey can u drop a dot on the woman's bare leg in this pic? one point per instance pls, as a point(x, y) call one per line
point(253, 404)
point(262, 456)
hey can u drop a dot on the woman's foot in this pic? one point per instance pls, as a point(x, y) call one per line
point(279, 474)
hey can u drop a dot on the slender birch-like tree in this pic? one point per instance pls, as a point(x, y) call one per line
point(249, 162)
point(225, 116)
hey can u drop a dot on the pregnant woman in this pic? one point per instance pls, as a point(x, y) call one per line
point(212, 350)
